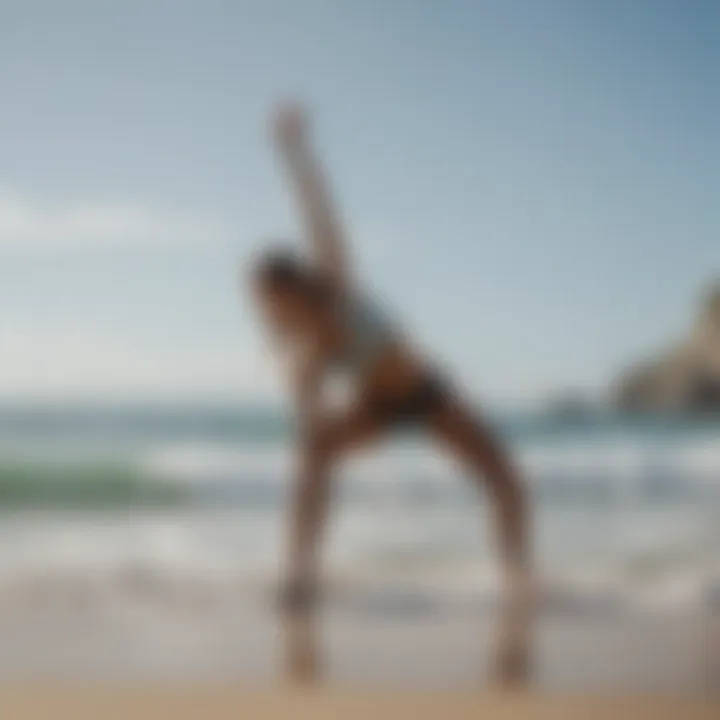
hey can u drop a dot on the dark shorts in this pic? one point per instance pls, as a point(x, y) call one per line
point(428, 397)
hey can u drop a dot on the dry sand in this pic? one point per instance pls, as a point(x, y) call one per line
point(207, 702)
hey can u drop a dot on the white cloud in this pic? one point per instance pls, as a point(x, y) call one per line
point(82, 363)
point(28, 223)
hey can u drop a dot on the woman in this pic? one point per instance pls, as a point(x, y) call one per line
point(315, 307)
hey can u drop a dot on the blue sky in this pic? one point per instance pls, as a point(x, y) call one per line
point(532, 184)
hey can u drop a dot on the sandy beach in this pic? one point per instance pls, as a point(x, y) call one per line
point(222, 701)
point(376, 639)
point(390, 661)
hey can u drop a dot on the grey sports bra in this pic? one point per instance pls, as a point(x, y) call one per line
point(369, 332)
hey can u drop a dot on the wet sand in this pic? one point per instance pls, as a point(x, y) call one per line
point(385, 657)
point(379, 642)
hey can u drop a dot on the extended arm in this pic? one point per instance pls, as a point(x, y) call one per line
point(310, 187)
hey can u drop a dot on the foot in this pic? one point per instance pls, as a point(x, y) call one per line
point(512, 664)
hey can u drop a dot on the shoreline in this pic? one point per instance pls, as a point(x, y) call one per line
point(394, 642)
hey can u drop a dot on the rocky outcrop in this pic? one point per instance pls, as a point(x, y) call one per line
point(684, 379)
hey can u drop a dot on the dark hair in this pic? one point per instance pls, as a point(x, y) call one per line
point(284, 270)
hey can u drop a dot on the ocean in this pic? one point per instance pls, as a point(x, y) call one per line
point(194, 499)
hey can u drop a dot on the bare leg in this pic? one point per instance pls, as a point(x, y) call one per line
point(303, 661)
point(308, 518)
point(327, 443)
point(511, 666)
point(476, 447)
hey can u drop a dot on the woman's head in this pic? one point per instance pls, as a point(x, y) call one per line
point(289, 290)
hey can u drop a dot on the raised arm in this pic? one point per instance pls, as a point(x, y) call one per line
point(309, 185)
